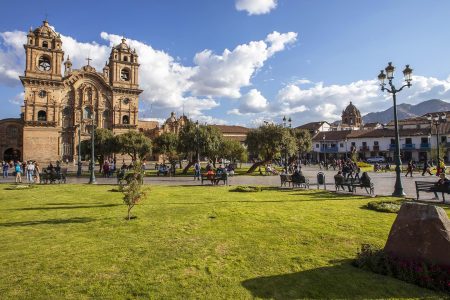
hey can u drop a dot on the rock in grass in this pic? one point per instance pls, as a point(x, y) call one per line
point(422, 232)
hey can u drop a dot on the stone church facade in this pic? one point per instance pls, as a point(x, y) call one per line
point(60, 107)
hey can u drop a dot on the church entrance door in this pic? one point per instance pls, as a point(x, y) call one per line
point(11, 154)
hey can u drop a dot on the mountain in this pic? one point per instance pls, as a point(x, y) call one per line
point(405, 111)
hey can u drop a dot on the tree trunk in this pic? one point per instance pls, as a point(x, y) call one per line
point(186, 169)
point(129, 212)
point(256, 165)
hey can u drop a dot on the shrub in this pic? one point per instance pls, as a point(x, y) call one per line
point(246, 189)
point(385, 206)
point(421, 273)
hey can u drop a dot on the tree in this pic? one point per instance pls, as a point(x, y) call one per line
point(167, 145)
point(204, 139)
point(131, 187)
point(104, 145)
point(135, 144)
point(269, 141)
point(233, 150)
point(304, 141)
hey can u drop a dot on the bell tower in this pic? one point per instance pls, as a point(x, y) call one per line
point(44, 54)
point(123, 66)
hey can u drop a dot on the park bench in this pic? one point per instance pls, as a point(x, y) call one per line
point(352, 183)
point(300, 181)
point(430, 187)
point(285, 179)
point(53, 176)
point(214, 178)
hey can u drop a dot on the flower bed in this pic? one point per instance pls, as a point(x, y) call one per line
point(421, 273)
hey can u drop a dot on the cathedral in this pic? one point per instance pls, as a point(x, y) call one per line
point(61, 105)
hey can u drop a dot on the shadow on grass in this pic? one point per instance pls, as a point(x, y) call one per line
point(341, 281)
point(50, 221)
point(66, 207)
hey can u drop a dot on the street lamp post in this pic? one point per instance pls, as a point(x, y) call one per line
point(407, 73)
point(437, 120)
point(325, 162)
point(285, 144)
point(92, 175)
point(197, 138)
point(79, 151)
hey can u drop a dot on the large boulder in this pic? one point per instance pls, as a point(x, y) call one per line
point(420, 231)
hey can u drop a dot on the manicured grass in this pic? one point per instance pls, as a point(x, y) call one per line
point(72, 242)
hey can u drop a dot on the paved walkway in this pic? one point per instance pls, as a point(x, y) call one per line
point(384, 182)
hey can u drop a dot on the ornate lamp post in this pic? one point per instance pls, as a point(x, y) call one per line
point(407, 73)
point(437, 120)
point(285, 144)
point(92, 164)
point(79, 151)
point(325, 163)
point(197, 138)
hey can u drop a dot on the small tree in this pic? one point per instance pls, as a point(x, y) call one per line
point(131, 187)
point(234, 151)
point(304, 141)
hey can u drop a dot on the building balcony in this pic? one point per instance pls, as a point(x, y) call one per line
point(329, 150)
point(391, 147)
point(425, 146)
point(376, 148)
point(364, 148)
point(408, 146)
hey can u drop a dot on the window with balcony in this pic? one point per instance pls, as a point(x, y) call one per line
point(375, 143)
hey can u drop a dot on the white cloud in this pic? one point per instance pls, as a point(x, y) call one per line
point(224, 75)
point(167, 84)
point(256, 7)
point(326, 102)
point(18, 99)
point(12, 58)
point(253, 102)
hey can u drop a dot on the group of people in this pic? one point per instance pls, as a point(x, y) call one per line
point(109, 167)
point(426, 168)
point(213, 175)
point(30, 169)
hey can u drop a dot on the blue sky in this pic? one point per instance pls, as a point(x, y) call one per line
point(244, 61)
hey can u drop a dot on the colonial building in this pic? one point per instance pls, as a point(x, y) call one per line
point(60, 107)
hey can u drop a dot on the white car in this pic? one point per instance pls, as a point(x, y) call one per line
point(376, 159)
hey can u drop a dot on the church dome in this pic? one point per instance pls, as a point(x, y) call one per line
point(122, 46)
point(352, 110)
point(45, 30)
point(172, 118)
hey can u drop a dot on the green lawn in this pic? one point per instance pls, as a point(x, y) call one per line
point(72, 242)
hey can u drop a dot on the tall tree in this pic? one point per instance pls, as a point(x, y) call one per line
point(104, 145)
point(304, 141)
point(199, 140)
point(167, 145)
point(135, 144)
point(268, 142)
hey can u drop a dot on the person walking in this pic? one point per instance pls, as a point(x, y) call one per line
point(30, 171)
point(409, 170)
point(426, 168)
point(5, 168)
point(18, 172)
point(197, 170)
point(37, 172)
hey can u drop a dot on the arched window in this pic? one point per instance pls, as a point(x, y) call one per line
point(125, 75)
point(45, 44)
point(125, 58)
point(66, 120)
point(125, 120)
point(87, 113)
point(12, 132)
point(42, 115)
point(106, 119)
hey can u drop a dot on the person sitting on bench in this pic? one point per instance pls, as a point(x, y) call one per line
point(341, 179)
point(442, 183)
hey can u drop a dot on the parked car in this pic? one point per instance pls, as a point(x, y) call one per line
point(376, 159)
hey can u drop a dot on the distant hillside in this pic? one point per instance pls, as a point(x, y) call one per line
point(406, 111)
